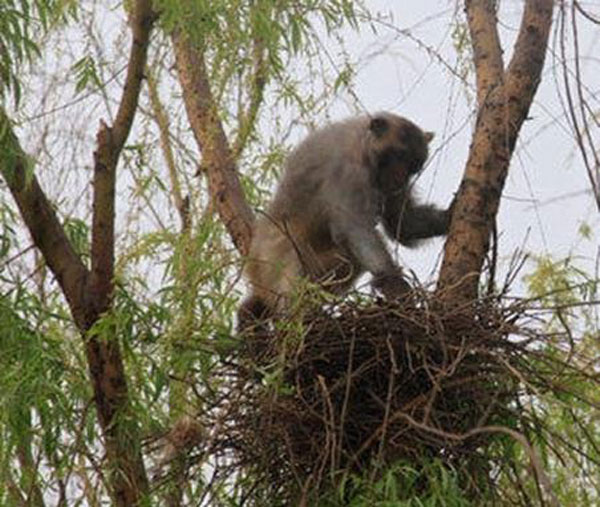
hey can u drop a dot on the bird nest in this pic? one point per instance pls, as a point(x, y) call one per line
point(314, 405)
point(358, 387)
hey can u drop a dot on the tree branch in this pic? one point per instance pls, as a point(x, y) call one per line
point(502, 111)
point(217, 158)
point(162, 122)
point(487, 52)
point(89, 294)
point(257, 87)
point(43, 224)
point(532, 38)
point(128, 479)
point(110, 142)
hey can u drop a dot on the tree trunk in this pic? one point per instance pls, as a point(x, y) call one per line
point(504, 98)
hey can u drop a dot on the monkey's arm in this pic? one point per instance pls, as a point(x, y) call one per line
point(352, 217)
point(352, 220)
point(353, 233)
point(363, 242)
point(408, 222)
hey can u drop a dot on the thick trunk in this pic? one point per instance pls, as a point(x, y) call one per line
point(504, 100)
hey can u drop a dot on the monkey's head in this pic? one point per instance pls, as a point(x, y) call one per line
point(397, 146)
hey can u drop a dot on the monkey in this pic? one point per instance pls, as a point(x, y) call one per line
point(337, 186)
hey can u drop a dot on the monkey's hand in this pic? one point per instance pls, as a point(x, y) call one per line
point(392, 285)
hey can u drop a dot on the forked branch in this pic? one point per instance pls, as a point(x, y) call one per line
point(110, 142)
point(504, 102)
point(89, 293)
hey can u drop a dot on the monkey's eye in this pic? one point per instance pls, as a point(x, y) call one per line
point(397, 159)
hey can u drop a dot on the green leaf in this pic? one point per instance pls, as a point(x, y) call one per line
point(86, 75)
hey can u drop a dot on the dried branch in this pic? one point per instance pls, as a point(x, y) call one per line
point(371, 384)
point(534, 459)
point(582, 130)
point(585, 13)
point(217, 158)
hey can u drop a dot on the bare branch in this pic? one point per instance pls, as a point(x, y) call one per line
point(487, 52)
point(581, 127)
point(585, 13)
point(217, 158)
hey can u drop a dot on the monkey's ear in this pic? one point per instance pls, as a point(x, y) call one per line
point(429, 136)
point(378, 126)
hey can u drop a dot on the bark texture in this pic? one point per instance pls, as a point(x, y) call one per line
point(89, 293)
point(504, 98)
point(217, 157)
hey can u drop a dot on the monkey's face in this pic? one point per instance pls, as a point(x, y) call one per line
point(400, 148)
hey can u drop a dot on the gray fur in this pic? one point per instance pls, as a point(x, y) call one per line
point(338, 184)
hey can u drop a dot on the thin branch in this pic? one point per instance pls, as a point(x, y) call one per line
point(535, 460)
point(162, 121)
point(585, 13)
point(257, 88)
point(582, 131)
